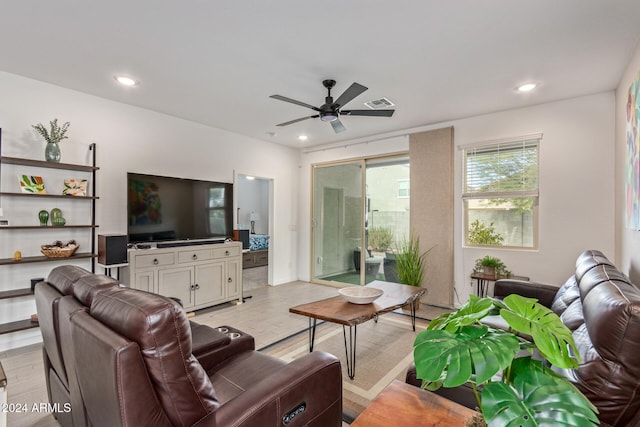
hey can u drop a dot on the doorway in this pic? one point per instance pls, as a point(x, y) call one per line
point(253, 196)
point(360, 217)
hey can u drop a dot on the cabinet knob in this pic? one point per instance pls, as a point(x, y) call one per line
point(197, 286)
point(227, 253)
point(155, 261)
point(192, 287)
point(229, 280)
point(194, 257)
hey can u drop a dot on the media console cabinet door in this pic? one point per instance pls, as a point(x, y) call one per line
point(177, 283)
point(211, 280)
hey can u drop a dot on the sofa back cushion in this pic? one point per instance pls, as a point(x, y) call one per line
point(65, 276)
point(87, 287)
point(161, 329)
point(609, 339)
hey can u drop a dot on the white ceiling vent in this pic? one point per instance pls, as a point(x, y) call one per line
point(379, 104)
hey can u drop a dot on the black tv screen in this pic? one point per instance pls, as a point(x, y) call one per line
point(161, 208)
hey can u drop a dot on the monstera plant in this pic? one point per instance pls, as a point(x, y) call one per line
point(512, 388)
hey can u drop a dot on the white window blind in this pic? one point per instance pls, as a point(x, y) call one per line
point(508, 169)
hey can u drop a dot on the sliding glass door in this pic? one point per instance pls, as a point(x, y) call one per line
point(337, 222)
point(360, 216)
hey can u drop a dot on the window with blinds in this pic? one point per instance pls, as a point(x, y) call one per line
point(501, 193)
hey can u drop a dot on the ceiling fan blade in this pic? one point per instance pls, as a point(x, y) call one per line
point(352, 91)
point(293, 101)
point(375, 113)
point(338, 126)
point(298, 120)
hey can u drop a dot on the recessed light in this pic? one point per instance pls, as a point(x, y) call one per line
point(527, 87)
point(302, 137)
point(250, 178)
point(125, 81)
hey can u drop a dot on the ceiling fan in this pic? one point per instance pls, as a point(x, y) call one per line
point(331, 111)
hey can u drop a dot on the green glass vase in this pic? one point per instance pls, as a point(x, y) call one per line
point(52, 152)
point(43, 216)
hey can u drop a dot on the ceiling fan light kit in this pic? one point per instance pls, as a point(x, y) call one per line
point(331, 111)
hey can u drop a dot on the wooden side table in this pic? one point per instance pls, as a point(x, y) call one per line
point(401, 404)
point(483, 280)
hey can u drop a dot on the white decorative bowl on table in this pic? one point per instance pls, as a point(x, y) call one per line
point(360, 294)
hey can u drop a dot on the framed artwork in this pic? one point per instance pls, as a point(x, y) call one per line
point(31, 184)
point(632, 166)
point(75, 187)
point(144, 203)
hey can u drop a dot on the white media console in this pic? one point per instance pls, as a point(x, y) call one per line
point(200, 276)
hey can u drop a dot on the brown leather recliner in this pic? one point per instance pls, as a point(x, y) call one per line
point(132, 355)
point(601, 307)
point(59, 377)
point(56, 301)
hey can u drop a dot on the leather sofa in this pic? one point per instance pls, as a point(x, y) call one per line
point(209, 345)
point(119, 356)
point(601, 306)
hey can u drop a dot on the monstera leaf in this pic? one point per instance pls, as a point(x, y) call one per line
point(473, 353)
point(535, 397)
point(474, 310)
point(549, 334)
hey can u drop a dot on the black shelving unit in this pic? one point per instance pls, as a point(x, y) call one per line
point(23, 324)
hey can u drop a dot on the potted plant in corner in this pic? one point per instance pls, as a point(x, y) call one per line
point(410, 263)
point(53, 136)
point(511, 389)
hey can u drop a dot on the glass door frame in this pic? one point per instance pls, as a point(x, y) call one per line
point(362, 161)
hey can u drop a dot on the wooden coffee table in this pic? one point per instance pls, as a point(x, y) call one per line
point(338, 310)
point(401, 404)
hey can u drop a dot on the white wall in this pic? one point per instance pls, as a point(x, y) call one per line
point(131, 139)
point(628, 241)
point(576, 174)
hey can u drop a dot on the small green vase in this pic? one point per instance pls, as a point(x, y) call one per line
point(56, 213)
point(52, 152)
point(43, 216)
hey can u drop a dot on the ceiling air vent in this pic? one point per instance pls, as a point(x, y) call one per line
point(379, 104)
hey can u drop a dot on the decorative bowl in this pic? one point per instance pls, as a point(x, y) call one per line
point(360, 294)
point(59, 250)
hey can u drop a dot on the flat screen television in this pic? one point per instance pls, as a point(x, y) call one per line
point(166, 209)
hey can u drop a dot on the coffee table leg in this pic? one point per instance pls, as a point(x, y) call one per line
point(312, 333)
point(350, 350)
point(413, 315)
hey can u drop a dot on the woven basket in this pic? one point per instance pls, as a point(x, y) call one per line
point(58, 252)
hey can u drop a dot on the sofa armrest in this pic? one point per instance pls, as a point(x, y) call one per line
point(212, 347)
point(313, 381)
point(543, 293)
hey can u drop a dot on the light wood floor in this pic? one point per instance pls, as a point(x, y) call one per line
point(265, 315)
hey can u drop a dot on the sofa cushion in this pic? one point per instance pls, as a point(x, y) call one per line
point(87, 287)
point(161, 329)
point(589, 259)
point(567, 294)
point(63, 277)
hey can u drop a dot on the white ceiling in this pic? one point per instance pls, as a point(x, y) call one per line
point(217, 62)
